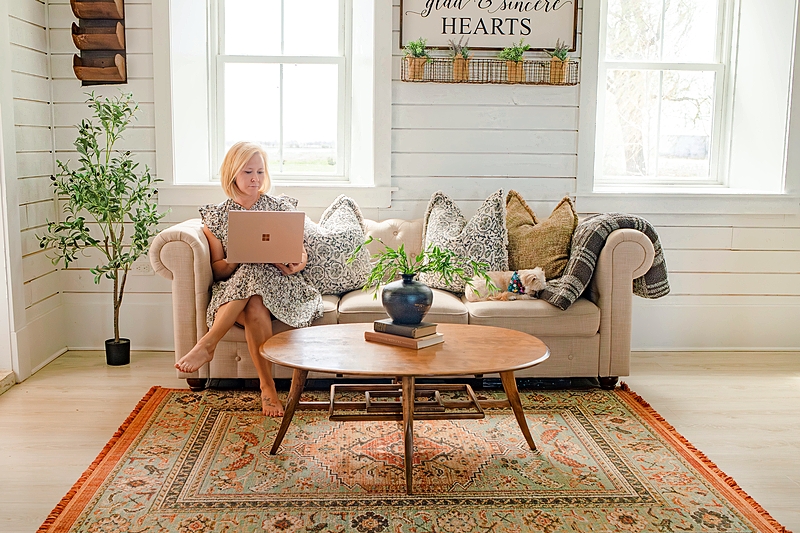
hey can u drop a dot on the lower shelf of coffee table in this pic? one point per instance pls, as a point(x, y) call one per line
point(384, 402)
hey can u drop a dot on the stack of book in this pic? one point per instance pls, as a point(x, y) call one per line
point(413, 336)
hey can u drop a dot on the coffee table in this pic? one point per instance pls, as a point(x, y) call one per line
point(467, 350)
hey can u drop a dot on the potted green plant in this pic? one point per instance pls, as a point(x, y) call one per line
point(461, 55)
point(513, 55)
point(406, 300)
point(416, 57)
point(106, 187)
point(559, 58)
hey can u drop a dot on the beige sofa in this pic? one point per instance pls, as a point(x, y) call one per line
point(590, 339)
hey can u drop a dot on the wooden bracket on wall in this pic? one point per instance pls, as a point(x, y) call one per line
point(98, 9)
point(100, 37)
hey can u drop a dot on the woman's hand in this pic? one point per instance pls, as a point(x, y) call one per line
point(292, 268)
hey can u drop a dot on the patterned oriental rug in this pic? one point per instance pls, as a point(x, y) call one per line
point(199, 463)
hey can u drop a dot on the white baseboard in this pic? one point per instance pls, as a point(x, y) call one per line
point(49, 360)
point(40, 342)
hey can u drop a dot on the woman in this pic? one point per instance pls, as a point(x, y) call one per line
point(250, 294)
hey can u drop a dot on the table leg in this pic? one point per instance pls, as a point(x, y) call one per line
point(298, 382)
point(408, 429)
point(510, 386)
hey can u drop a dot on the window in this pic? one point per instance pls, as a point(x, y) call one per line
point(663, 78)
point(279, 71)
point(291, 78)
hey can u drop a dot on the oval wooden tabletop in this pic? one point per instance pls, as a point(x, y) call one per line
point(467, 349)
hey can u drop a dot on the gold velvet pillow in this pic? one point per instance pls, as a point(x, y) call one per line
point(532, 243)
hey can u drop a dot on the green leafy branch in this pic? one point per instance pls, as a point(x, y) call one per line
point(417, 48)
point(390, 263)
point(514, 52)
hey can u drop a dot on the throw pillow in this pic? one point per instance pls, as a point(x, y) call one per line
point(330, 243)
point(483, 238)
point(532, 243)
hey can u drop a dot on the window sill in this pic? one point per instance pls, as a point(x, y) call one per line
point(688, 201)
point(308, 194)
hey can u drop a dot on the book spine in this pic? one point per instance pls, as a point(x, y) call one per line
point(388, 338)
point(412, 332)
point(394, 329)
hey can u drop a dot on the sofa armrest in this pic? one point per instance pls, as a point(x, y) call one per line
point(181, 254)
point(627, 255)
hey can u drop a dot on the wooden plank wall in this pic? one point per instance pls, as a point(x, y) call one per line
point(734, 277)
point(146, 311)
point(31, 89)
point(470, 140)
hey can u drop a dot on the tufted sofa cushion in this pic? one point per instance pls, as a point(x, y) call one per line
point(537, 317)
point(394, 232)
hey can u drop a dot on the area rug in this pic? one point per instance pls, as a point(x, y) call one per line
point(199, 463)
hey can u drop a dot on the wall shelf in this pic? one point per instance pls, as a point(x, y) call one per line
point(99, 35)
point(100, 69)
point(98, 9)
point(489, 70)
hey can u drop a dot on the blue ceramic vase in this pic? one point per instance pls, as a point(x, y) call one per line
point(406, 300)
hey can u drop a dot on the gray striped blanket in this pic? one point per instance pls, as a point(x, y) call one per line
point(587, 242)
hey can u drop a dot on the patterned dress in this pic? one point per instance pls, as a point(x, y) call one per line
point(289, 298)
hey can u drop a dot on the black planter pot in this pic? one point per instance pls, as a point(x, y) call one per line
point(407, 300)
point(118, 353)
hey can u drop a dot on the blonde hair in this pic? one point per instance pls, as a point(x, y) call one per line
point(234, 161)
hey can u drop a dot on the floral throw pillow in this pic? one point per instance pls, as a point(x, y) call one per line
point(482, 238)
point(330, 243)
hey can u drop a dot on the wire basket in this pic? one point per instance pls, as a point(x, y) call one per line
point(484, 70)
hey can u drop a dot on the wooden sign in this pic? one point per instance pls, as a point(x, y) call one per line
point(490, 24)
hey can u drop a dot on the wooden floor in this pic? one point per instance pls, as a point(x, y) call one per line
point(741, 409)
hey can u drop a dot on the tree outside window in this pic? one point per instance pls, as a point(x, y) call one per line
point(663, 91)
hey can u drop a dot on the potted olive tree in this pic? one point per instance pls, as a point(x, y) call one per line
point(512, 55)
point(406, 300)
point(107, 205)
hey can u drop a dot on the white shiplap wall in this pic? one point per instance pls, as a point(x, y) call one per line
point(470, 140)
point(735, 284)
point(145, 316)
point(734, 277)
point(40, 335)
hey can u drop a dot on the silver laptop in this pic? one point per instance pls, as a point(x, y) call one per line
point(265, 236)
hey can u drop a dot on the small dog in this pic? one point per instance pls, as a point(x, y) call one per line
point(512, 285)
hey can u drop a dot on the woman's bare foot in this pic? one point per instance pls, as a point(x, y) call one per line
point(197, 357)
point(270, 404)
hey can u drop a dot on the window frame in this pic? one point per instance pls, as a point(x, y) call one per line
point(720, 139)
point(368, 179)
point(591, 198)
point(218, 60)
